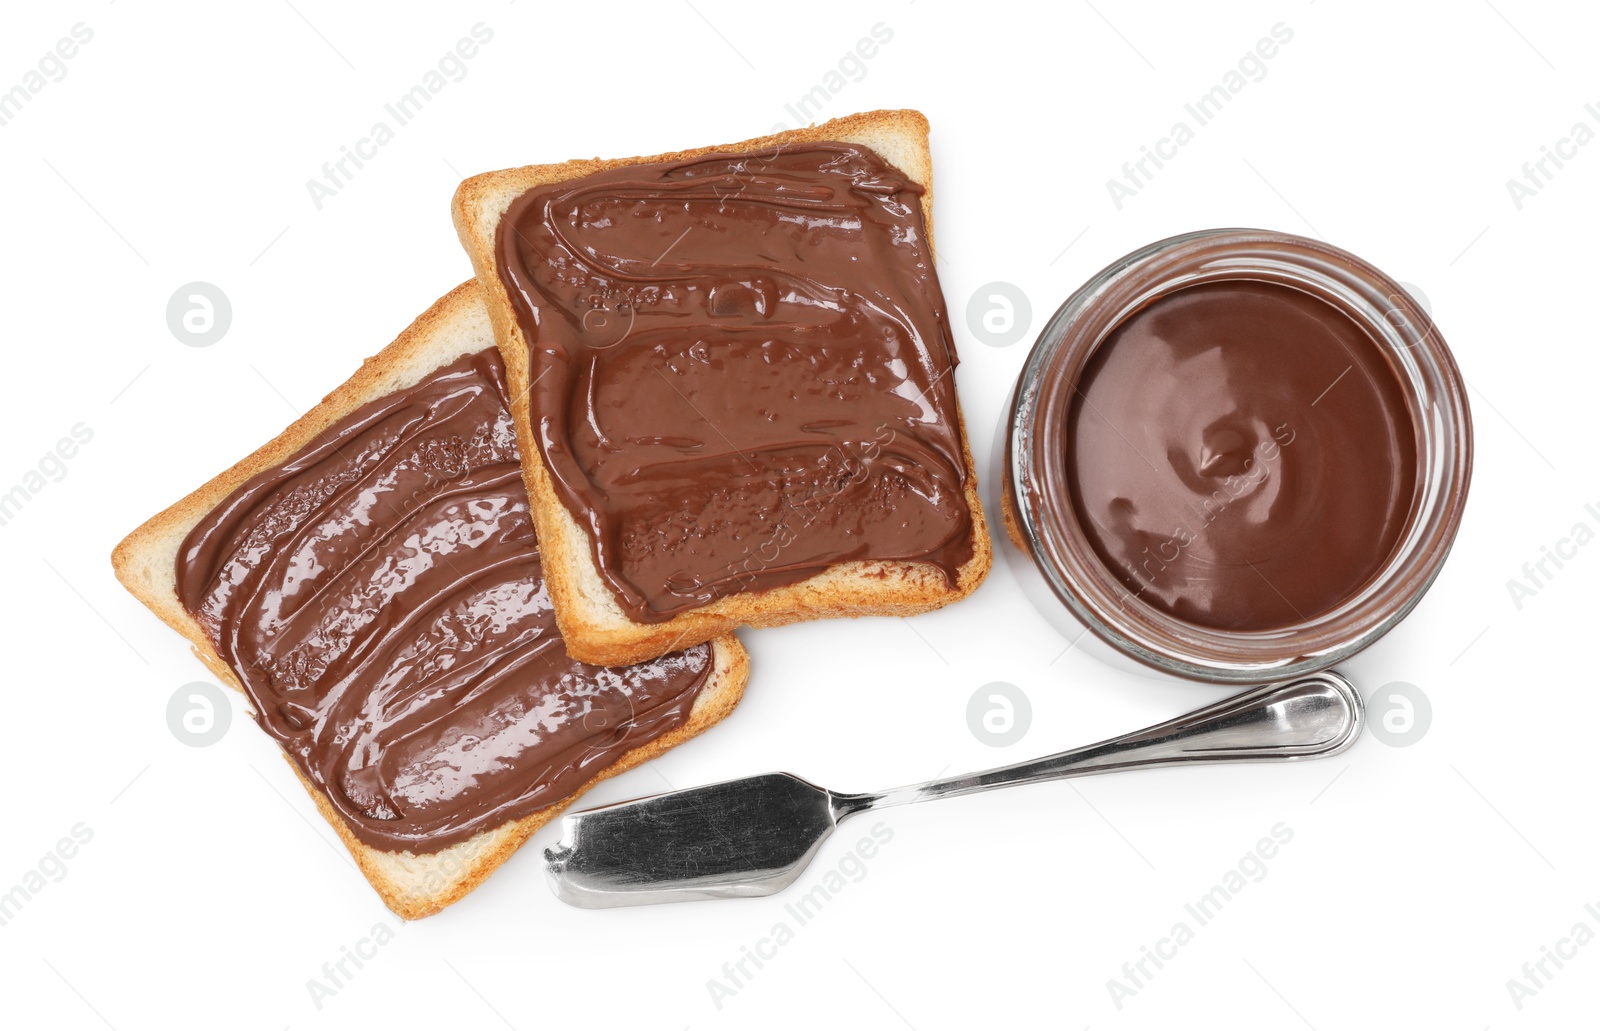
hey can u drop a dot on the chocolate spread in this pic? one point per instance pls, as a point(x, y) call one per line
point(1241, 455)
point(380, 598)
point(741, 370)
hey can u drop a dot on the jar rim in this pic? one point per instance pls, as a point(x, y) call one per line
point(1041, 517)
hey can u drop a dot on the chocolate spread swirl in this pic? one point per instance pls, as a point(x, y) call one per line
point(380, 598)
point(741, 370)
point(1241, 455)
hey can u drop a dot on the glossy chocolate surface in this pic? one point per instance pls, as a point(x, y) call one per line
point(380, 598)
point(1241, 455)
point(741, 370)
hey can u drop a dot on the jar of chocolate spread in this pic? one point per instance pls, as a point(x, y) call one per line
point(1234, 456)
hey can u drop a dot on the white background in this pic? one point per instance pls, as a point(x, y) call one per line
point(1419, 880)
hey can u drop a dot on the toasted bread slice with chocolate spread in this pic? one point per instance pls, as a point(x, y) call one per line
point(412, 885)
point(595, 627)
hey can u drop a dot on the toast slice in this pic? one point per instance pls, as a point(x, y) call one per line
point(594, 625)
point(412, 885)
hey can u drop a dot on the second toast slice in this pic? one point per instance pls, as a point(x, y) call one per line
point(730, 370)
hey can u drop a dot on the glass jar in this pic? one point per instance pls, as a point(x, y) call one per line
point(1062, 573)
